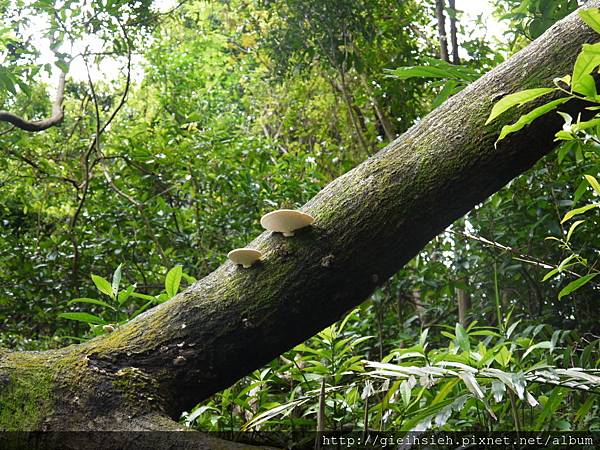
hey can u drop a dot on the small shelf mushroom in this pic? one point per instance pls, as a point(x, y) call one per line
point(286, 221)
point(244, 256)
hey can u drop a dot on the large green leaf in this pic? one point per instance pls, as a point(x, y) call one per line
point(83, 317)
point(172, 281)
point(530, 117)
point(591, 17)
point(516, 99)
point(580, 210)
point(586, 62)
point(103, 285)
point(574, 285)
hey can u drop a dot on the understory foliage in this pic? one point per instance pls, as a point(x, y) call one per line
point(217, 112)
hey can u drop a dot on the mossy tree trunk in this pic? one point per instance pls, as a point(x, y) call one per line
point(369, 223)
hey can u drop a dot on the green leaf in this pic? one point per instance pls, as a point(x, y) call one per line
point(91, 301)
point(462, 338)
point(190, 279)
point(531, 116)
point(124, 295)
point(594, 183)
point(405, 392)
point(516, 99)
point(62, 65)
point(544, 344)
point(172, 281)
point(550, 274)
point(436, 68)
point(572, 228)
point(586, 62)
point(591, 17)
point(580, 210)
point(116, 280)
point(83, 317)
point(574, 285)
point(504, 356)
point(103, 285)
point(143, 296)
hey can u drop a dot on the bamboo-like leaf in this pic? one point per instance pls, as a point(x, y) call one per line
point(574, 285)
point(572, 228)
point(498, 389)
point(462, 338)
point(594, 183)
point(531, 399)
point(91, 301)
point(580, 210)
point(530, 117)
point(517, 99)
point(472, 384)
point(405, 392)
point(550, 274)
point(543, 344)
point(83, 317)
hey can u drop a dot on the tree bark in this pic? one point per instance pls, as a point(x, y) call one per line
point(463, 300)
point(453, 32)
point(40, 125)
point(441, 25)
point(369, 223)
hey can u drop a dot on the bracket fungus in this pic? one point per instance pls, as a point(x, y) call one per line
point(244, 256)
point(286, 221)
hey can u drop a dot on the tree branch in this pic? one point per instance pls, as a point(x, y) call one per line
point(40, 125)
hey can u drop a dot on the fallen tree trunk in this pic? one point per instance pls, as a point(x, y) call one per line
point(369, 223)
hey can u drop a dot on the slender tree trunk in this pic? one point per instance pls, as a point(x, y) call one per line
point(453, 32)
point(464, 304)
point(441, 25)
point(342, 87)
point(369, 223)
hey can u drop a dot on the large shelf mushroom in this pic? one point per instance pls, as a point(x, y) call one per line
point(244, 256)
point(286, 221)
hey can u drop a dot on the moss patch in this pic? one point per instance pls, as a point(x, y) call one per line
point(25, 401)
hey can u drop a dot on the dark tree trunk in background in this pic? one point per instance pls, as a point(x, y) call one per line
point(369, 223)
point(453, 32)
point(464, 304)
point(441, 26)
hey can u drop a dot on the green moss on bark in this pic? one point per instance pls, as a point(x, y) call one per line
point(26, 402)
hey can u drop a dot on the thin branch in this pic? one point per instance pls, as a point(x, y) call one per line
point(519, 256)
point(40, 125)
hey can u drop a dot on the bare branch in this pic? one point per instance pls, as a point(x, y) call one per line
point(40, 125)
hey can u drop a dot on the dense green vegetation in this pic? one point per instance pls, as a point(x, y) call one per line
point(224, 110)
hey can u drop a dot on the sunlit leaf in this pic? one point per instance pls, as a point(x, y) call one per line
point(517, 99)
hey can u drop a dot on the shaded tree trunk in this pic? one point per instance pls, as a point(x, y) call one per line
point(464, 304)
point(441, 26)
point(369, 223)
point(453, 32)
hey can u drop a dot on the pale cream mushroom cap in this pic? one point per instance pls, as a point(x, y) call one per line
point(244, 256)
point(286, 221)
